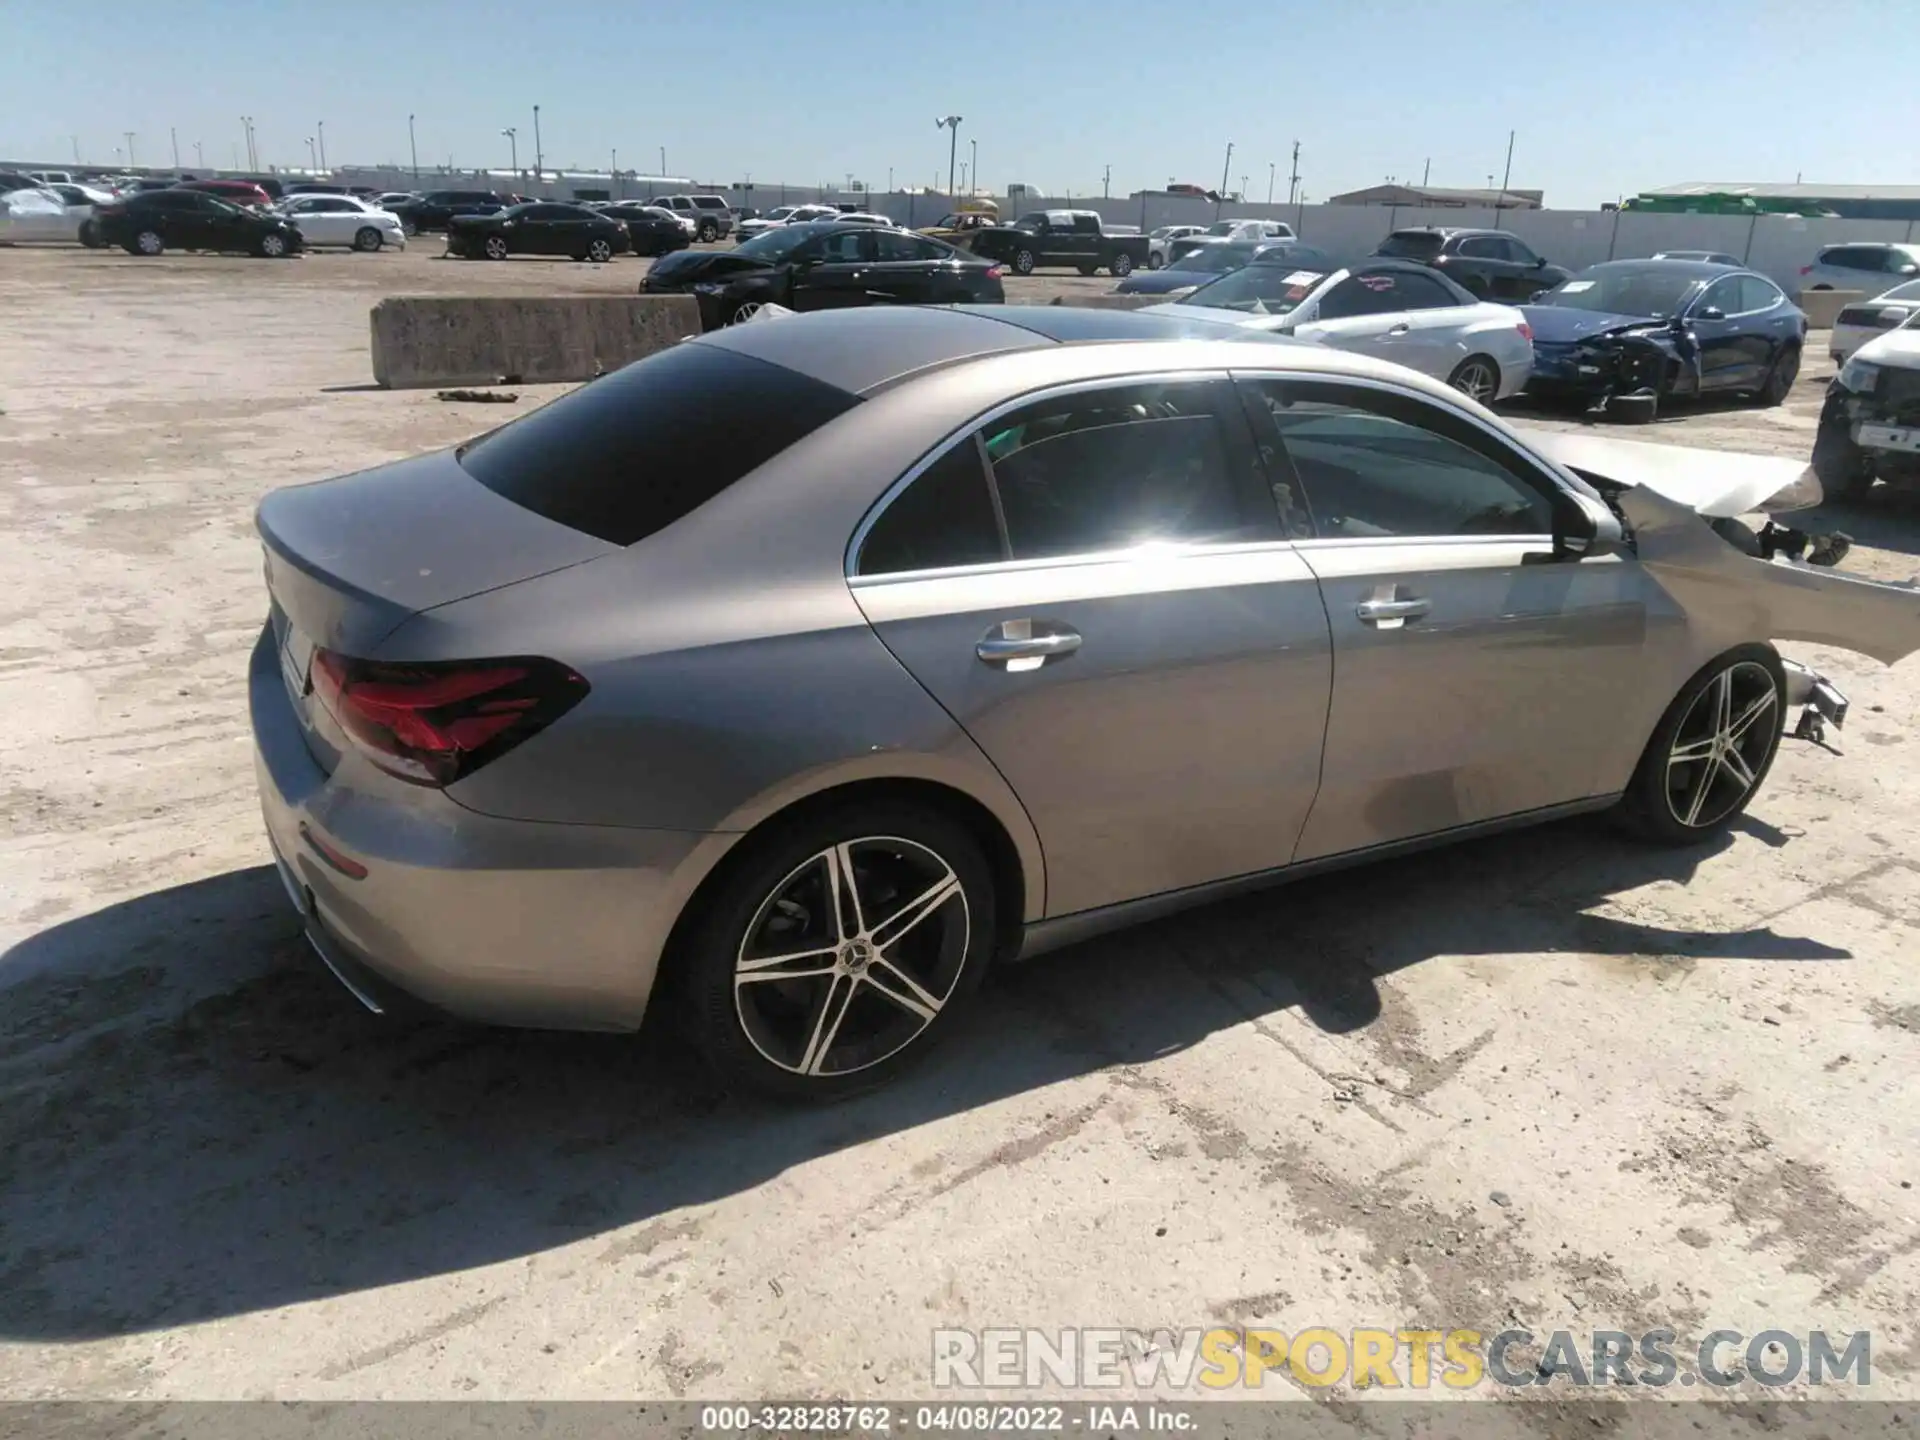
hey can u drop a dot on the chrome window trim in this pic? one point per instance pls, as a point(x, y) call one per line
point(1560, 484)
point(1168, 551)
point(949, 442)
point(1346, 542)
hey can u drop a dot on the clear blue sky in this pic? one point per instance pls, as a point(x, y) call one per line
point(1607, 97)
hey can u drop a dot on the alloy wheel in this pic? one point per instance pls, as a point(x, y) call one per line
point(1722, 745)
point(272, 246)
point(747, 311)
point(149, 243)
point(1475, 380)
point(496, 248)
point(852, 956)
point(599, 252)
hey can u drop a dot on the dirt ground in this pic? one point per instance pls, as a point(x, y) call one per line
point(1546, 1081)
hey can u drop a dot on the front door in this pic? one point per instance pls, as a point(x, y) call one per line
point(1360, 313)
point(1469, 683)
point(1095, 585)
point(831, 273)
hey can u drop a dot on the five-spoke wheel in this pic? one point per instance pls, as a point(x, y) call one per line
point(1711, 749)
point(836, 951)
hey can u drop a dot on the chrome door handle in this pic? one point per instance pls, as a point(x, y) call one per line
point(1399, 330)
point(1021, 645)
point(1374, 611)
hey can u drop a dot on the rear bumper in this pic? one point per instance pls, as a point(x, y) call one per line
point(502, 921)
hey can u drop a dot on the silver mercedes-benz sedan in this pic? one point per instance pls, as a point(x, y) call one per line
point(801, 671)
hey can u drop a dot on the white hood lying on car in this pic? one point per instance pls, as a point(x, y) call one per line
point(1713, 483)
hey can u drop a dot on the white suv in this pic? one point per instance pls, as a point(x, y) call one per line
point(711, 215)
point(1872, 269)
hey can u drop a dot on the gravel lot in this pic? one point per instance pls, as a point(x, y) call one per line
point(1551, 1080)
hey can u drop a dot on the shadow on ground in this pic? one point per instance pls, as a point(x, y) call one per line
point(166, 1159)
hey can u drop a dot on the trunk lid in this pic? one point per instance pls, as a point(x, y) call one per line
point(348, 560)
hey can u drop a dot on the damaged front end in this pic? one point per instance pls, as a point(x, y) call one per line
point(1681, 511)
point(1869, 428)
point(1624, 371)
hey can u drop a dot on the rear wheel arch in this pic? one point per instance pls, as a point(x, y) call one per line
point(1012, 882)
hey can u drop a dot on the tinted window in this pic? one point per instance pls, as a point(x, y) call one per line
point(631, 453)
point(1724, 294)
point(1112, 469)
point(1758, 294)
point(1517, 251)
point(897, 245)
point(1483, 247)
point(843, 247)
point(1421, 292)
point(1087, 224)
point(554, 212)
point(945, 518)
point(1412, 244)
point(1854, 257)
point(1362, 295)
point(1374, 465)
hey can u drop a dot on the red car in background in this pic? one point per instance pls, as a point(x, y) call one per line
point(239, 192)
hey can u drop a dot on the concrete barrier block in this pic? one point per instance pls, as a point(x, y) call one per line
point(1822, 305)
point(1110, 302)
point(529, 340)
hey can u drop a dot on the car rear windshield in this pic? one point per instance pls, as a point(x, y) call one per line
point(1412, 244)
point(632, 452)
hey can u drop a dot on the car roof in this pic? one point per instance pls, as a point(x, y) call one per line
point(1703, 269)
point(866, 350)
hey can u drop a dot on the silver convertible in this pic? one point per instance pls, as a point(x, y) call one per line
point(797, 673)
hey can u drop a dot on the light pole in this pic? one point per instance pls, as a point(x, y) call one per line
point(539, 158)
point(1106, 183)
point(130, 159)
point(663, 162)
point(76, 148)
point(951, 123)
point(513, 141)
point(973, 170)
point(321, 127)
point(173, 134)
point(413, 147)
point(1293, 180)
point(1225, 166)
point(253, 158)
point(1271, 168)
point(199, 156)
point(614, 170)
point(312, 159)
point(1507, 177)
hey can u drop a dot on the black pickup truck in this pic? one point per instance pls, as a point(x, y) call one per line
point(1061, 239)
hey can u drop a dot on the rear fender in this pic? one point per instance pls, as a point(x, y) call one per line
point(1772, 599)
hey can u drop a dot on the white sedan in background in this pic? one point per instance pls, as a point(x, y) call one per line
point(1866, 320)
point(781, 215)
point(56, 212)
point(343, 220)
point(1391, 309)
point(1160, 242)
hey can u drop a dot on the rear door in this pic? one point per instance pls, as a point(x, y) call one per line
point(193, 220)
point(905, 267)
point(832, 273)
point(1469, 685)
point(1094, 584)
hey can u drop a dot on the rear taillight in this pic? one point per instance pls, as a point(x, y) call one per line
point(996, 272)
point(1806, 269)
point(1526, 331)
point(433, 722)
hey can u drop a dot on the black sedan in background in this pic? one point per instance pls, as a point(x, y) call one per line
point(540, 228)
point(650, 229)
point(154, 221)
point(1626, 336)
point(825, 265)
point(1208, 263)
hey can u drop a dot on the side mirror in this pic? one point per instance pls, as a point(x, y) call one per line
point(1713, 312)
point(1539, 262)
point(1910, 269)
point(1583, 529)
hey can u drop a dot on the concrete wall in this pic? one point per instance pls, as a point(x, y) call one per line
point(521, 340)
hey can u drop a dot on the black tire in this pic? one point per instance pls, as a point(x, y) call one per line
point(1845, 471)
point(1088, 269)
point(1122, 266)
point(271, 246)
point(1477, 377)
point(772, 898)
point(146, 243)
point(366, 239)
point(495, 247)
point(409, 227)
point(1023, 262)
point(1780, 377)
point(1154, 262)
point(90, 235)
point(599, 252)
point(1662, 793)
point(708, 232)
point(1639, 409)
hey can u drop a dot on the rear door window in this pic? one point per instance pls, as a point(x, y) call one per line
point(1412, 244)
point(1421, 292)
point(1361, 295)
point(629, 454)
